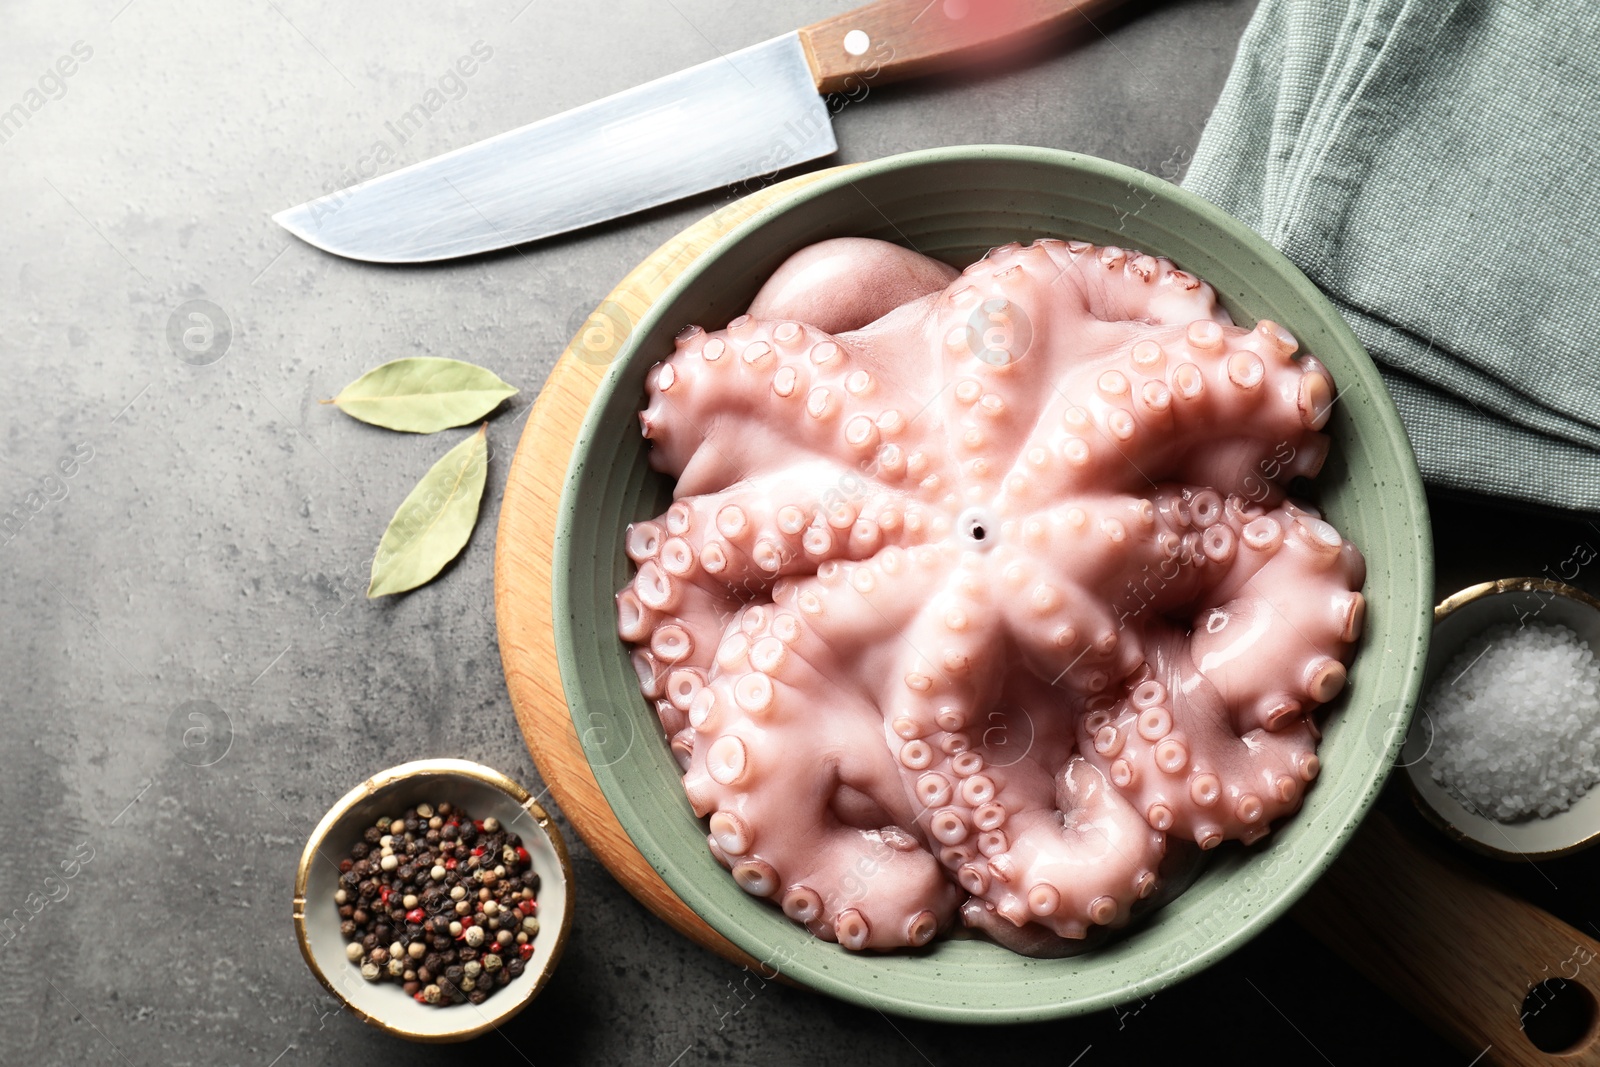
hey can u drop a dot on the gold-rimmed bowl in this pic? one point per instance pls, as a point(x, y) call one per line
point(1459, 620)
point(483, 792)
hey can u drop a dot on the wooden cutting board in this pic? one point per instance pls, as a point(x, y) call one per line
point(1454, 949)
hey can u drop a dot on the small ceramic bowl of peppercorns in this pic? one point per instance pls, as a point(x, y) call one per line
point(434, 899)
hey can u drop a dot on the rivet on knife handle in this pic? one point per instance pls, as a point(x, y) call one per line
point(894, 39)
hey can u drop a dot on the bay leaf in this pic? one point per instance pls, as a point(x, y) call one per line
point(422, 394)
point(434, 521)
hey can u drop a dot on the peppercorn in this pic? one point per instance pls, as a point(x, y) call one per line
point(416, 950)
point(369, 942)
point(346, 911)
point(448, 831)
point(347, 929)
point(477, 996)
point(492, 963)
point(516, 966)
point(352, 952)
point(431, 994)
point(380, 955)
point(440, 942)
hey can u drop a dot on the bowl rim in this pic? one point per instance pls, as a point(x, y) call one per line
point(440, 767)
point(1445, 608)
point(1409, 485)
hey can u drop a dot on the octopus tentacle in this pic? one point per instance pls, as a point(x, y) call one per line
point(808, 818)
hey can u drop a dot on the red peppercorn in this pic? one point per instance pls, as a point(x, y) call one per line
point(416, 915)
point(526, 950)
point(528, 907)
point(522, 854)
point(384, 893)
point(419, 998)
point(450, 864)
point(345, 865)
point(479, 824)
point(478, 851)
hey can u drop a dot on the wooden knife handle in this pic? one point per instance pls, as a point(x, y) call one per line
point(894, 39)
point(1458, 952)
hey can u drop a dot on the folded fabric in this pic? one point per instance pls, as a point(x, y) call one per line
point(1431, 166)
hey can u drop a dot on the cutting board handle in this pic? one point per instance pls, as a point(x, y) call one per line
point(894, 39)
point(1460, 953)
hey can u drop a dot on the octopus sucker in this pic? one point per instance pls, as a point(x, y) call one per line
point(987, 583)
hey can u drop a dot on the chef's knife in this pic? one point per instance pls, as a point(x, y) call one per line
point(750, 113)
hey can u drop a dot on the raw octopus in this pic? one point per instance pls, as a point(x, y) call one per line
point(978, 587)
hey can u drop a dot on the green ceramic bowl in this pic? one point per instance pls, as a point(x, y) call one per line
point(956, 203)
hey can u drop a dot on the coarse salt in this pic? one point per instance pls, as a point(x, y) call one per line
point(1516, 722)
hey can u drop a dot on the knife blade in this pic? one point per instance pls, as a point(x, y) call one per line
point(746, 114)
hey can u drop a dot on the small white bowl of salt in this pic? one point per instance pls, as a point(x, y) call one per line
point(1503, 753)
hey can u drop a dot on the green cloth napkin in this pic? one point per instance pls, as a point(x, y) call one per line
point(1432, 166)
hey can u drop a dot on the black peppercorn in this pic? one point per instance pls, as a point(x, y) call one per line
point(448, 832)
point(346, 910)
point(348, 929)
point(440, 942)
point(360, 917)
point(406, 874)
point(477, 996)
point(372, 836)
point(431, 837)
point(516, 966)
point(369, 942)
point(349, 879)
point(360, 850)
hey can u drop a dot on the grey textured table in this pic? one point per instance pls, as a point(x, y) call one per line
point(211, 542)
